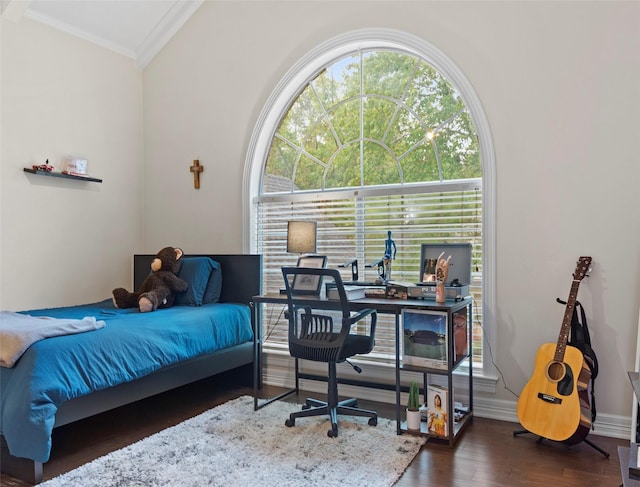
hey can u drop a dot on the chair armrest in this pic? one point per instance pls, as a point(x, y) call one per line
point(363, 313)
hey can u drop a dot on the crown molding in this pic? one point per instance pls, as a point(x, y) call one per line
point(82, 34)
point(164, 30)
point(13, 9)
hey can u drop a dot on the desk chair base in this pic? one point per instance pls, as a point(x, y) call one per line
point(348, 407)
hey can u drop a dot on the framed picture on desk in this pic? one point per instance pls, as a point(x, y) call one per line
point(309, 284)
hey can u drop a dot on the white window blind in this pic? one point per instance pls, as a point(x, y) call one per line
point(354, 224)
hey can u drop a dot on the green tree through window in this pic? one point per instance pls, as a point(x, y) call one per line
point(374, 118)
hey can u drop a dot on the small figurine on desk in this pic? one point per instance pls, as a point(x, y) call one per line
point(442, 272)
point(390, 250)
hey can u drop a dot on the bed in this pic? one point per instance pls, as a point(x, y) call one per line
point(135, 355)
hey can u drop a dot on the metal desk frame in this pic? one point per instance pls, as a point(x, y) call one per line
point(386, 306)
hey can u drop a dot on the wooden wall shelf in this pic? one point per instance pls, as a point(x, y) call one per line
point(61, 175)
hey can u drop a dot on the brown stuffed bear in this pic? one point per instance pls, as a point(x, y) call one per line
point(159, 288)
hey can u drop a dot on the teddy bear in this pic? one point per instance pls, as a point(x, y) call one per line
point(159, 288)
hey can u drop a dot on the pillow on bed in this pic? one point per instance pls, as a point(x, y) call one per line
point(196, 271)
point(214, 286)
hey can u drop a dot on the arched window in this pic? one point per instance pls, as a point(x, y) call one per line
point(373, 131)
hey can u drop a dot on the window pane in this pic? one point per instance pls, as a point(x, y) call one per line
point(343, 172)
point(342, 119)
point(380, 167)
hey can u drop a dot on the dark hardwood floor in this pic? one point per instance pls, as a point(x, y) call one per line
point(486, 455)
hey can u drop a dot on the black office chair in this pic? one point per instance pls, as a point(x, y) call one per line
point(314, 336)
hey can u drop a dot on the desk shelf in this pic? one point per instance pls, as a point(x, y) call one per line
point(453, 363)
point(458, 426)
point(429, 370)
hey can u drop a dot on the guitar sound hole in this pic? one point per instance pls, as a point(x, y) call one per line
point(555, 371)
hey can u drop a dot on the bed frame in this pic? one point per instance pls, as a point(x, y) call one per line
point(241, 280)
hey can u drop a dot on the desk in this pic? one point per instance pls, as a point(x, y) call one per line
point(383, 306)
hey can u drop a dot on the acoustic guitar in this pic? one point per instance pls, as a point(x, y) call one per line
point(550, 403)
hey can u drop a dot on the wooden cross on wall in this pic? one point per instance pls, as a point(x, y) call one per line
point(196, 169)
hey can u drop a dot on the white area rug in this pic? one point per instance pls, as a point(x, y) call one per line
point(232, 445)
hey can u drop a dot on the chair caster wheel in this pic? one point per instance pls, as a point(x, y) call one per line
point(333, 432)
point(373, 421)
point(290, 422)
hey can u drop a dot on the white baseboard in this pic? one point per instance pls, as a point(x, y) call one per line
point(279, 371)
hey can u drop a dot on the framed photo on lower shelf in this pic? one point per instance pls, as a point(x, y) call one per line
point(425, 338)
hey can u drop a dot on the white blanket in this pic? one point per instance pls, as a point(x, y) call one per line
point(18, 332)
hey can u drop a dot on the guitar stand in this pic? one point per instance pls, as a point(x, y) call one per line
point(541, 439)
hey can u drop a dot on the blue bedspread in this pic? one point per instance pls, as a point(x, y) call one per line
point(131, 345)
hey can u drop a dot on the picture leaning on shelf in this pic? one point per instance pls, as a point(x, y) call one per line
point(437, 402)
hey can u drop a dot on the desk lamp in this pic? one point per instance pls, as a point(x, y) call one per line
point(301, 237)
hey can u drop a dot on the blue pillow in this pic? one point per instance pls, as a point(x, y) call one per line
point(196, 271)
point(214, 286)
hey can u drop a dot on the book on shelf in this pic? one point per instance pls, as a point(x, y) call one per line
point(438, 405)
point(375, 292)
point(352, 292)
point(459, 411)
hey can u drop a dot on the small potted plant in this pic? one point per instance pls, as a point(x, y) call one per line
point(413, 407)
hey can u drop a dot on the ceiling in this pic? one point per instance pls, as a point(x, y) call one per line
point(134, 28)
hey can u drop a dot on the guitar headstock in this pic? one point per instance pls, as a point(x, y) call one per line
point(582, 267)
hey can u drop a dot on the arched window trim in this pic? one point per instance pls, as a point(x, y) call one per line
point(306, 69)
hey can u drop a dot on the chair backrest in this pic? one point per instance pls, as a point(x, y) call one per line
point(331, 277)
point(313, 335)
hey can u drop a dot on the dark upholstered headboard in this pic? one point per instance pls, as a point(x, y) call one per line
point(241, 274)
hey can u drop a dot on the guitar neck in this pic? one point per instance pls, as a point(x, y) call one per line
point(566, 321)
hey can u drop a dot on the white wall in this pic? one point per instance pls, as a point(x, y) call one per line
point(559, 83)
point(66, 242)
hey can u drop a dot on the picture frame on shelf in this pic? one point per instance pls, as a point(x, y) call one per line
point(460, 335)
point(438, 415)
point(309, 284)
point(425, 338)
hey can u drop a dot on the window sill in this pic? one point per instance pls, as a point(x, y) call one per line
point(279, 364)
